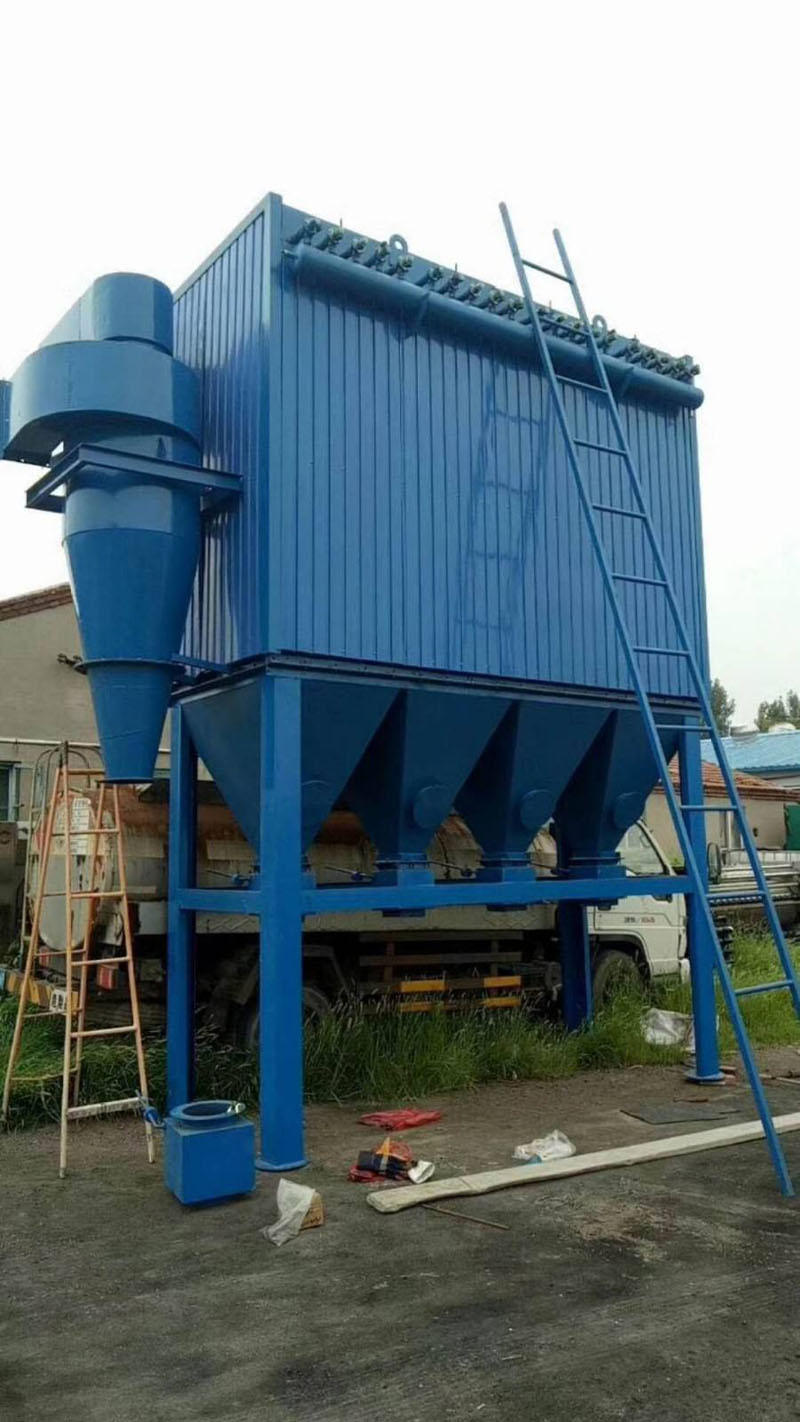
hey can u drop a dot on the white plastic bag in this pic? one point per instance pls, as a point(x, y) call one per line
point(555, 1146)
point(421, 1171)
point(668, 1029)
point(293, 1202)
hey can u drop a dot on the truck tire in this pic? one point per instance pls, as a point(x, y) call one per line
point(316, 1004)
point(614, 971)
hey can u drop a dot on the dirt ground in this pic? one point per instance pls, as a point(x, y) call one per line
point(667, 1291)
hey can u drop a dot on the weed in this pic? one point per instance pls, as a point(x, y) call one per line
point(358, 1054)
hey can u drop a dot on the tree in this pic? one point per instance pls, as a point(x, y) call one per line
point(723, 707)
point(782, 708)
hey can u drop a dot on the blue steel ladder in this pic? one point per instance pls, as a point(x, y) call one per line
point(634, 654)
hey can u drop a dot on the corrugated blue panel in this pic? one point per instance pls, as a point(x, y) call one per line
point(413, 503)
point(429, 517)
point(220, 332)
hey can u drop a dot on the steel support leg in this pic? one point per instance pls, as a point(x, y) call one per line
point(281, 955)
point(181, 923)
point(701, 948)
point(576, 965)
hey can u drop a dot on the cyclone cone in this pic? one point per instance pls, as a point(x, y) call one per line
point(132, 549)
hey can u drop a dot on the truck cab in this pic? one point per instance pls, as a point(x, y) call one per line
point(648, 933)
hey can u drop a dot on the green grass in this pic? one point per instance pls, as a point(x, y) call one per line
point(770, 1019)
point(353, 1055)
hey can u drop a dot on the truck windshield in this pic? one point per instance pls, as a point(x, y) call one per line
point(638, 854)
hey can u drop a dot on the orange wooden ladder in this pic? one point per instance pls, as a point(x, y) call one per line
point(40, 993)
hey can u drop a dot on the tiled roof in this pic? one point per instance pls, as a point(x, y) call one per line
point(39, 601)
point(765, 751)
point(750, 787)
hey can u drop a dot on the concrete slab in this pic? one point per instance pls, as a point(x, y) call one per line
point(665, 1292)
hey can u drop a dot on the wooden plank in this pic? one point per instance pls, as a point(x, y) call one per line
point(404, 1196)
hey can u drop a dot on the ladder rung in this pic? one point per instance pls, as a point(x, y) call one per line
point(615, 509)
point(702, 730)
point(754, 896)
point(104, 1031)
point(635, 578)
point(661, 651)
point(582, 385)
point(602, 448)
point(96, 962)
point(94, 894)
point(103, 1108)
point(84, 894)
point(764, 987)
point(709, 809)
point(548, 271)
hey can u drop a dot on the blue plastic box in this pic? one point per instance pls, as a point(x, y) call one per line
point(209, 1153)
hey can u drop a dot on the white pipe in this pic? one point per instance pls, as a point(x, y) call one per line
point(79, 745)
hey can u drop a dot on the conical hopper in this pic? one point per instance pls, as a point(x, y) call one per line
point(608, 793)
point(338, 721)
point(408, 782)
point(515, 786)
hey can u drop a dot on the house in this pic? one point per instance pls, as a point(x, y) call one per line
point(771, 755)
point(764, 803)
point(43, 699)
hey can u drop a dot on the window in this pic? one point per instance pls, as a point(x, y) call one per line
point(9, 792)
point(638, 854)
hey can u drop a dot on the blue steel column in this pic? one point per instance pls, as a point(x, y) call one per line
point(181, 922)
point(701, 949)
point(576, 965)
point(281, 954)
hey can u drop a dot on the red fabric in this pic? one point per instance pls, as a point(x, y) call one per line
point(401, 1120)
point(367, 1177)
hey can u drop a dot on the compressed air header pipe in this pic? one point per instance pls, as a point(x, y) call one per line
point(117, 418)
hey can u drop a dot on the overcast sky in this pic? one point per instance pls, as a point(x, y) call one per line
point(662, 139)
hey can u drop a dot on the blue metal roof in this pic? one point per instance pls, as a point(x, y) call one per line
point(760, 754)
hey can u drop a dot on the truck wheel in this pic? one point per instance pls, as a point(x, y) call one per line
point(614, 971)
point(316, 1004)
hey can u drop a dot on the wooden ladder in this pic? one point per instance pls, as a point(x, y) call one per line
point(38, 996)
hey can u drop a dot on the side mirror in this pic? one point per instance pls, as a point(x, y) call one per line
point(714, 861)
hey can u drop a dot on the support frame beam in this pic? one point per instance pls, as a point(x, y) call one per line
point(700, 946)
point(180, 920)
point(281, 929)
